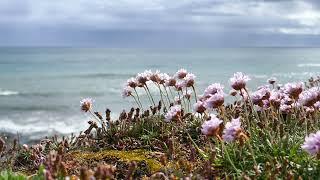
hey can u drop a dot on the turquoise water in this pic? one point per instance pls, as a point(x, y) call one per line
point(40, 88)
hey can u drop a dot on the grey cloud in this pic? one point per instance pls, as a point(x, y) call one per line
point(159, 21)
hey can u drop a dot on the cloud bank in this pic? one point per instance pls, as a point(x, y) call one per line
point(160, 23)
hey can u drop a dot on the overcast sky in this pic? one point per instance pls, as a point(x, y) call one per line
point(160, 23)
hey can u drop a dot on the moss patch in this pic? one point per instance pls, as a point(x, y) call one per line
point(126, 156)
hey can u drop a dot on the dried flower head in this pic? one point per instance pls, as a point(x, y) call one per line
point(233, 93)
point(86, 104)
point(272, 80)
point(231, 130)
point(181, 73)
point(211, 127)
point(312, 143)
point(239, 81)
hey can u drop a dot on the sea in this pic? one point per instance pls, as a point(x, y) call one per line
point(41, 88)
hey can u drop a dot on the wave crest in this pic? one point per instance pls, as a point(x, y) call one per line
point(309, 65)
point(8, 92)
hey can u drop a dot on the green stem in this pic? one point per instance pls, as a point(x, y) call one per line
point(138, 97)
point(195, 94)
point(150, 95)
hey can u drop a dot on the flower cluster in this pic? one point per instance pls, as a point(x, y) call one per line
point(175, 89)
point(232, 131)
point(213, 97)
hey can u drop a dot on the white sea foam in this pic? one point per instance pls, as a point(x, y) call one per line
point(309, 65)
point(259, 76)
point(7, 92)
point(40, 124)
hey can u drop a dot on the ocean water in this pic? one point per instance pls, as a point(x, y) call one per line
point(40, 88)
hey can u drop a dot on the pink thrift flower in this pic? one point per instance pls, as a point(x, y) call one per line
point(293, 89)
point(189, 80)
point(181, 73)
point(170, 81)
point(199, 107)
point(211, 127)
point(275, 98)
point(312, 143)
point(213, 89)
point(308, 97)
point(155, 76)
point(317, 105)
point(174, 113)
point(231, 130)
point(214, 101)
point(239, 81)
point(257, 98)
point(163, 77)
point(284, 108)
point(132, 82)
point(126, 91)
point(142, 78)
point(180, 85)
